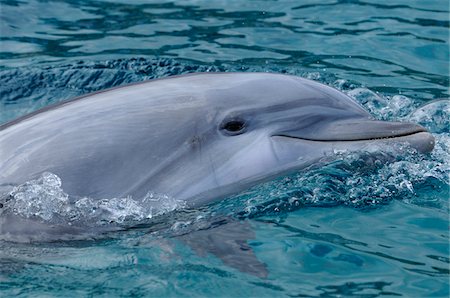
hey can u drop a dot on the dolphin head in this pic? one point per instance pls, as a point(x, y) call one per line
point(267, 125)
point(195, 138)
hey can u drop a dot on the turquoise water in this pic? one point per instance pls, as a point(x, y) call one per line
point(346, 229)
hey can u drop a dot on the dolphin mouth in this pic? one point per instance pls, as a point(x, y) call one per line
point(366, 130)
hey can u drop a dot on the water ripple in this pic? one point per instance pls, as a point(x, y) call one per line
point(258, 32)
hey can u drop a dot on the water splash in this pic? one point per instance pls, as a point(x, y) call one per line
point(382, 106)
point(43, 199)
point(435, 116)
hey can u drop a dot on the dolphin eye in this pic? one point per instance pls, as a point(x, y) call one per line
point(234, 126)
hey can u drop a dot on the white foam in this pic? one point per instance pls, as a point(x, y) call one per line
point(45, 200)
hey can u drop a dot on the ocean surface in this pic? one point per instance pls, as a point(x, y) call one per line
point(347, 229)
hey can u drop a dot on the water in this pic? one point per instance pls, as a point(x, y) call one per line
point(347, 229)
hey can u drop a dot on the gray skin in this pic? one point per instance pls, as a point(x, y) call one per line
point(169, 136)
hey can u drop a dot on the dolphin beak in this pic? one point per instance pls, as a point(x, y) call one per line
point(365, 130)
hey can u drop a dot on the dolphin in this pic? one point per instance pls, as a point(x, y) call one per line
point(196, 138)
